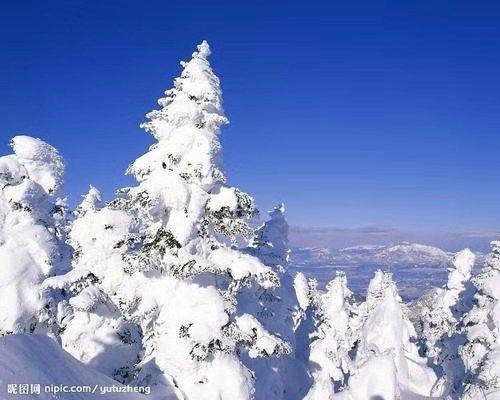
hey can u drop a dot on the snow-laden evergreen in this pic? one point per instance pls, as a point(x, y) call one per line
point(92, 201)
point(305, 323)
point(441, 308)
point(438, 316)
point(481, 352)
point(31, 234)
point(179, 276)
point(92, 326)
point(277, 310)
point(387, 364)
point(330, 362)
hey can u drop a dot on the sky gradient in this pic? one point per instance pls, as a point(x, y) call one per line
point(356, 115)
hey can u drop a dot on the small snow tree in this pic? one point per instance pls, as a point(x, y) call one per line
point(481, 352)
point(387, 363)
point(185, 271)
point(270, 241)
point(92, 201)
point(333, 339)
point(31, 238)
point(92, 326)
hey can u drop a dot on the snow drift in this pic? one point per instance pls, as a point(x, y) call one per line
point(37, 359)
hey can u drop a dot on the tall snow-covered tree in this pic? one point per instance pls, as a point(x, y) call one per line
point(439, 311)
point(92, 326)
point(185, 271)
point(387, 363)
point(438, 317)
point(276, 309)
point(304, 322)
point(332, 340)
point(31, 236)
point(481, 352)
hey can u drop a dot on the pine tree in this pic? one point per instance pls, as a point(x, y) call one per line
point(440, 310)
point(276, 310)
point(332, 340)
point(185, 271)
point(387, 363)
point(304, 320)
point(481, 352)
point(31, 238)
point(438, 317)
point(274, 307)
point(92, 327)
point(92, 201)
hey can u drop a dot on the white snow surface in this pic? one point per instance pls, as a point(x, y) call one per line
point(37, 359)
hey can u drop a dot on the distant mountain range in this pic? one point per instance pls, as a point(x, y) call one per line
point(402, 254)
point(415, 267)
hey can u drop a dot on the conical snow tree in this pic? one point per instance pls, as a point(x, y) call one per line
point(481, 352)
point(31, 238)
point(270, 242)
point(387, 363)
point(185, 271)
point(333, 339)
point(92, 201)
point(92, 326)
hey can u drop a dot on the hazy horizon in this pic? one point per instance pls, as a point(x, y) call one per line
point(340, 237)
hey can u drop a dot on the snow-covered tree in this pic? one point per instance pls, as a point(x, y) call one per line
point(31, 235)
point(92, 201)
point(276, 309)
point(185, 271)
point(270, 241)
point(481, 352)
point(92, 327)
point(333, 339)
point(437, 316)
point(304, 322)
point(387, 363)
point(440, 310)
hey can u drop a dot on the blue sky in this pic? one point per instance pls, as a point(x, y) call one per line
point(356, 114)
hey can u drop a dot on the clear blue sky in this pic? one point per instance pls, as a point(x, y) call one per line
point(353, 113)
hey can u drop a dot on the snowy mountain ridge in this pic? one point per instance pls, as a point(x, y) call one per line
point(399, 254)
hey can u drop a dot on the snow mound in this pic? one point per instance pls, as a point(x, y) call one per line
point(36, 359)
